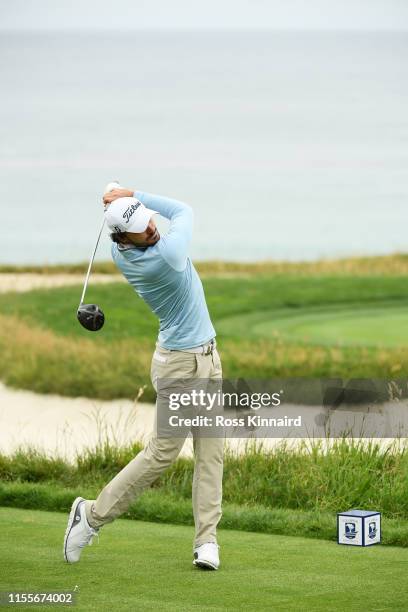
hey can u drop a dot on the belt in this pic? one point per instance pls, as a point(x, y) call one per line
point(204, 349)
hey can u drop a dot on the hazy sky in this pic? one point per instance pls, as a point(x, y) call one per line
point(132, 14)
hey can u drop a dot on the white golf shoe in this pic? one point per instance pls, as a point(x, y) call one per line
point(206, 556)
point(78, 533)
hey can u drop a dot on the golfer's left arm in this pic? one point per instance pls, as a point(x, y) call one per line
point(175, 244)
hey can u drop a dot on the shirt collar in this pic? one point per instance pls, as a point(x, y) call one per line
point(126, 247)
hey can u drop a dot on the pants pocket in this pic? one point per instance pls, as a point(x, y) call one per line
point(216, 365)
point(173, 365)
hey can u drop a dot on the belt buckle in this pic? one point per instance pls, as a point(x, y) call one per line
point(210, 348)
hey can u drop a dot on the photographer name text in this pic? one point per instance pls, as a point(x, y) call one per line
point(248, 420)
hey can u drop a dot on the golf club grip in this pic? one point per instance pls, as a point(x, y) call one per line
point(90, 264)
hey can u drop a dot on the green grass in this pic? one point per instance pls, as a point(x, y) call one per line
point(145, 566)
point(374, 326)
point(268, 326)
point(159, 506)
point(309, 478)
point(129, 317)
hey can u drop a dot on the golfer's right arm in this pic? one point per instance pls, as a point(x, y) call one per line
point(175, 244)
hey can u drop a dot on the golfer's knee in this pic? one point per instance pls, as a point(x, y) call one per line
point(163, 451)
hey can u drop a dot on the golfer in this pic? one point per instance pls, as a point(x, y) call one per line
point(161, 272)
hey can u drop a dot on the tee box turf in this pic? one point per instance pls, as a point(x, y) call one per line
point(359, 527)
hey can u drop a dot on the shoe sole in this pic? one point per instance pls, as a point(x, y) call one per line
point(205, 565)
point(74, 507)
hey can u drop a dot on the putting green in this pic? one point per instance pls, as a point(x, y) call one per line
point(372, 326)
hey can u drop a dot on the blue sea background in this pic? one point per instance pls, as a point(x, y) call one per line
point(288, 145)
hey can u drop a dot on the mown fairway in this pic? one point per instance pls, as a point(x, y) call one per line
point(268, 326)
point(145, 566)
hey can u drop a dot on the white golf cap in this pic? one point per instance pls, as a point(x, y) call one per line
point(128, 215)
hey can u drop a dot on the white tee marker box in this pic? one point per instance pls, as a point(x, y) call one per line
point(359, 527)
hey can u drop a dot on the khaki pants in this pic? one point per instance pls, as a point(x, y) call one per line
point(159, 453)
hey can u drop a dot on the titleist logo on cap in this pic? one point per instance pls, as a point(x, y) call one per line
point(130, 210)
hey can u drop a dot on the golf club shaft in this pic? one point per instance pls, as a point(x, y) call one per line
point(90, 264)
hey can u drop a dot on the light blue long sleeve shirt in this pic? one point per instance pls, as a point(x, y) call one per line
point(165, 278)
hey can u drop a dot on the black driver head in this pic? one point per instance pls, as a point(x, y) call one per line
point(91, 317)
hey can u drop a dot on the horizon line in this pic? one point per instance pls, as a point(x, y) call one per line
point(116, 29)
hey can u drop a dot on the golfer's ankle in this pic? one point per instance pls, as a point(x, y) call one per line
point(88, 514)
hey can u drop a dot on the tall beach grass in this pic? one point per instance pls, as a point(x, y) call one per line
point(395, 264)
point(313, 476)
point(38, 359)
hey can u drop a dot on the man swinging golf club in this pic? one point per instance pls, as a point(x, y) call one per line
point(159, 269)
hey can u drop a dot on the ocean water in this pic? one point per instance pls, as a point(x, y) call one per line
point(288, 145)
